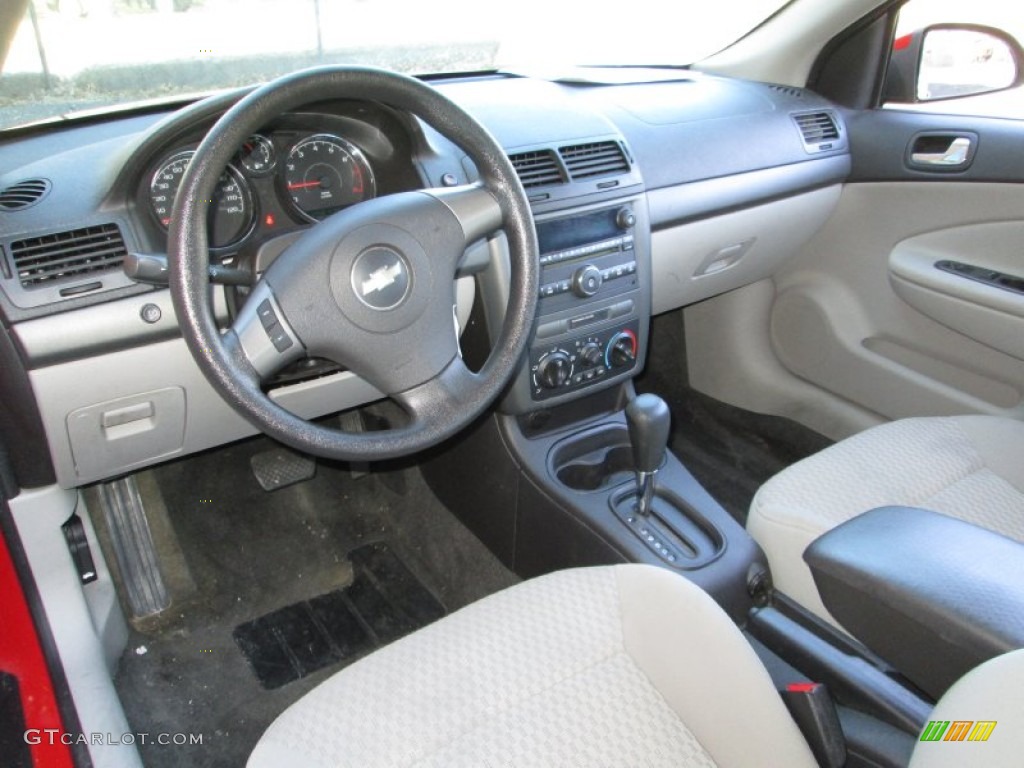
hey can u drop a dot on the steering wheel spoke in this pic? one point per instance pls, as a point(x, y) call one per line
point(265, 337)
point(441, 397)
point(475, 207)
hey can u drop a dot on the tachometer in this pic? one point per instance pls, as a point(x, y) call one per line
point(231, 212)
point(324, 173)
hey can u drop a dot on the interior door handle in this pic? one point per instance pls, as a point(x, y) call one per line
point(942, 151)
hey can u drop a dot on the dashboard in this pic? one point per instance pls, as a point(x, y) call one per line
point(649, 195)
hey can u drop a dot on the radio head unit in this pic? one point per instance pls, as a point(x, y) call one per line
point(594, 303)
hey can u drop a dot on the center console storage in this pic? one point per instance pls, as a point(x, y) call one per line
point(931, 594)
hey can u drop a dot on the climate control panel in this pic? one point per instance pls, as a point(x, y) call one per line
point(578, 362)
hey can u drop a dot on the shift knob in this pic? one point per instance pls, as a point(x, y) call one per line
point(648, 420)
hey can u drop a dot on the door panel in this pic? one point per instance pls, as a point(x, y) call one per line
point(968, 279)
point(859, 315)
point(883, 143)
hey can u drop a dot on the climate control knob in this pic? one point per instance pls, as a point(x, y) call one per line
point(590, 354)
point(587, 281)
point(622, 350)
point(554, 370)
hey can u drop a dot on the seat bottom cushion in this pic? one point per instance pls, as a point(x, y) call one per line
point(621, 665)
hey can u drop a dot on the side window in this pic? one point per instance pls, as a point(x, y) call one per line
point(957, 57)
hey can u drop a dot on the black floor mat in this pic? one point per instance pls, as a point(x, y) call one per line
point(247, 553)
point(731, 451)
point(384, 602)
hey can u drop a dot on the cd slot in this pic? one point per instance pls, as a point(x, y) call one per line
point(589, 251)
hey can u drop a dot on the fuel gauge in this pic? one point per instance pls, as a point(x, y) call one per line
point(257, 155)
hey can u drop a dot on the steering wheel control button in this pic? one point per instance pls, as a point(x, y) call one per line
point(150, 313)
point(279, 338)
point(265, 311)
point(268, 319)
point(267, 340)
point(381, 278)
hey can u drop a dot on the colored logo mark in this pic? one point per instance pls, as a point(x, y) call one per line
point(958, 730)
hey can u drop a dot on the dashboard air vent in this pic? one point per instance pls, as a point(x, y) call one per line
point(23, 194)
point(537, 168)
point(39, 260)
point(817, 127)
point(597, 159)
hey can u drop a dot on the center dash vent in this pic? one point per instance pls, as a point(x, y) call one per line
point(600, 158)
point(817, 128)
point(23, 194)
point(537, 168)
point(40, 260)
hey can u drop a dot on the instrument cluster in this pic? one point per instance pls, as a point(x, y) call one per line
point(299, 170)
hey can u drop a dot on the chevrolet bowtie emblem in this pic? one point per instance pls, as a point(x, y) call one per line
point(382, 278)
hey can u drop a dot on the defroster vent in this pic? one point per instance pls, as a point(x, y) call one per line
point(601, 158)
point(40, 260)
point(537, 168)
point(23, 194)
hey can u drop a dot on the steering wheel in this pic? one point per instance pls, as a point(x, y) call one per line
point(370, 287)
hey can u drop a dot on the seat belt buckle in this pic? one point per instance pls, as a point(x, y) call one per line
point(811, 707)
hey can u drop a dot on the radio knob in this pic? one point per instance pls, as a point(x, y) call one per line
point(554, 370)
point(587, 281)
point(622, 350)
point(591, 354)
point(625, 218)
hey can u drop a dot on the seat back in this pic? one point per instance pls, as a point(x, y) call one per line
point(979, 721)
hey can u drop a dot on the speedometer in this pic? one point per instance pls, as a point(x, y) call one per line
point(231, 210)
point(324, 173)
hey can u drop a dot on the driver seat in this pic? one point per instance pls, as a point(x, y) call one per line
point(626, 665)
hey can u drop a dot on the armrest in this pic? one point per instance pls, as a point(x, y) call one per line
point(933, 595)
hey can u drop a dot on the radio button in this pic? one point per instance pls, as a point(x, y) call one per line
point(547, 330)
point(620, 309)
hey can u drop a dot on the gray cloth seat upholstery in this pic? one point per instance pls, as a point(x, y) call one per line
point(967, 467)
point(612, 666)
point(615, 666)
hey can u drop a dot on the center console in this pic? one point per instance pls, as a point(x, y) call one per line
point(549, 480)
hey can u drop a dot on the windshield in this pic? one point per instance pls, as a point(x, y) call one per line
point(62, 56)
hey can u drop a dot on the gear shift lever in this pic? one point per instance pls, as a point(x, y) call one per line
point(648, 420)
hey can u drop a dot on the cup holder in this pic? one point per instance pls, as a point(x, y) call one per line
point(594, 460)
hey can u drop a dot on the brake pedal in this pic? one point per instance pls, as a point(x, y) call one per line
point(280, 467)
